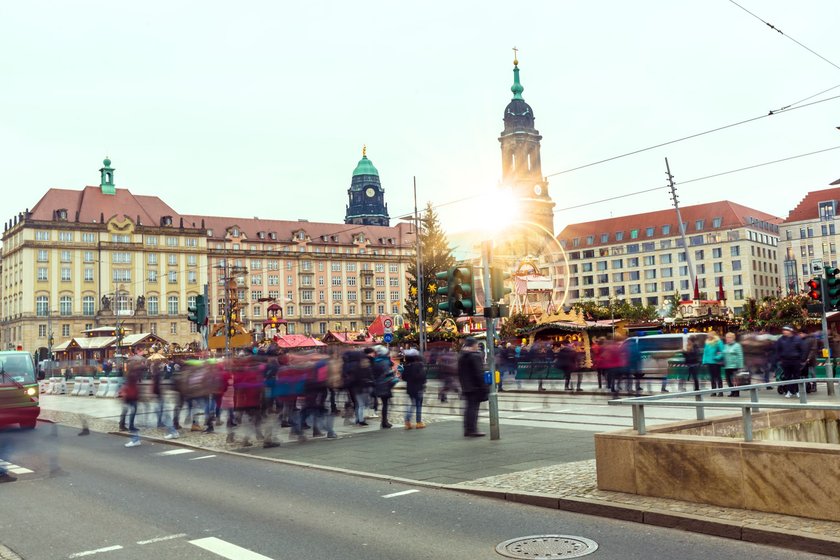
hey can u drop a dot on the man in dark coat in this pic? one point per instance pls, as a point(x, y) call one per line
point(473, 387)
point(791, 356)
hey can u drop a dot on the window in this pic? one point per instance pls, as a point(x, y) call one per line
point(701, 269)
point(717, 222)
point(42, 236)
point(590, 239)
point(173, 328)
point(87, 306)
point(634, 248)
point(665, 259)
point(42, 273)
point(172, 260)
point(42, 306)
point(172, 305)
point(634, 234)
point(65, 306)
point(739, 294)
point(683, 271)
point(737, 280)
point(666, 230)
point(151, 276)
point(619, 235)
point(171, 241)
point(618, 263)
point(717, 253)
point(717, 267)
point(649, 232)
point(88, 256)
point(667, 286)
point(192, 277)
point(617, 277)
point(603, 278)
point(120, 257)
point(667, 272)
point(152, 259)
point(633, 275)
point(648, 246)
point(65, 274)
point(42, 331)
point(65, 236)
point(605, 237)
point(632, 262)
point(172, 276)
point(650, 274)
point(151, 240)
point(665, 244)
point(601, 265)
point(699, 255)
point(650, 260)
point(88, 238)
point(65, 330)
point(695, 240)
point(43, 256)
point(698, 225)
point(736, 265)
point(650, 288)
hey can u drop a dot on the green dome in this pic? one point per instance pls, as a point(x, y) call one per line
point(106, 162)
point(365, 167)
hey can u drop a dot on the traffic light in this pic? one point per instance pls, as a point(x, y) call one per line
point(832, 289)
point(197, 313)
point(812, 286)
point(459, 291)
point(498, 291)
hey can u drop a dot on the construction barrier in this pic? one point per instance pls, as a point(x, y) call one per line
point(58, 386)
point(114, 386)
point(83, 386)
point(102, 391)
point(77, 386)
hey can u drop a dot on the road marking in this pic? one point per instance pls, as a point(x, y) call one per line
point(160, 539)
point(20, 470)
point(14, 469)
point(227, 550)
point(203, 457)
point(180, 451)
point(403, 493)
point(97, 551)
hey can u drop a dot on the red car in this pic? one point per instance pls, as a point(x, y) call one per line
point(18, 390)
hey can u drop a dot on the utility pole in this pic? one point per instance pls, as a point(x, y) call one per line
point(691, 276)
point(50, 339)
point(829, 366)
point(421, 306)
point(227, 310)
point(205, 327)
point(490, 341)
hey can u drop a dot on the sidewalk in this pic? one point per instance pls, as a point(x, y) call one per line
point(547, 467)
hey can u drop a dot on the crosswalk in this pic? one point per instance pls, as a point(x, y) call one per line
point(214, 545)
point(14, 469)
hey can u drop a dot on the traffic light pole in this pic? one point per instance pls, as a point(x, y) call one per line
point(829, 366)
point(493, 398)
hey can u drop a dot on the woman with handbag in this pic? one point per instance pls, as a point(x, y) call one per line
point(733, 361)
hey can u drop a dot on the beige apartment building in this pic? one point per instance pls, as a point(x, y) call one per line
point(102, 256)
point(809, 234)
point(642, 258)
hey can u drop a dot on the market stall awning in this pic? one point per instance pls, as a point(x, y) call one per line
point(297, 341)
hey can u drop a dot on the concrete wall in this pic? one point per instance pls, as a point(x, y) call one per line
point(692, 461)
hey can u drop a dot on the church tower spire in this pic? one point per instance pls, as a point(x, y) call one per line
point(521, 165)
point(106, 177)
point(366, 204)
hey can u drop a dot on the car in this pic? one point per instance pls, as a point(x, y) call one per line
point(18, 390)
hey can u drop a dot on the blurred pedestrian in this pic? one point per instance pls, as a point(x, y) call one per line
point(713, 360)
point(473, 387)
point(791, 356)
point(130, 393)
point(733, 361)
point(384, 379)
point(414, 375)
point(691, 359)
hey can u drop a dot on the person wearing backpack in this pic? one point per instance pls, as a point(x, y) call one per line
point(383, 380)
point(414, 375)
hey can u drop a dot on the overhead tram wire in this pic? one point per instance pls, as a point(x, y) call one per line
point(786, 109)
point(593, 202)
point(777, 30)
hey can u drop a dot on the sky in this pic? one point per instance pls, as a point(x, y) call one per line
point(261, 108)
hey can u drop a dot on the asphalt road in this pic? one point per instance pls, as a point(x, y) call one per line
point(163, 501)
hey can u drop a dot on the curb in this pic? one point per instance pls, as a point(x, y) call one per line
point(795, 540)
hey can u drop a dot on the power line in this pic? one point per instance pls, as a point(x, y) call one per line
point(617, 197)
point(776, 29)
point(785, 109)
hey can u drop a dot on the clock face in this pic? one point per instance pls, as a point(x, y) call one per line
point(537, 190)
point(370, 192)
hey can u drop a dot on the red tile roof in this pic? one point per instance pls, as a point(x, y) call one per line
point(731, 214)
point(91, 204)
point(808, 207)
point(249, 228)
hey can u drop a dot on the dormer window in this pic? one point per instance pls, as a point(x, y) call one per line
point(209, 233)
point(234, 232)
point(166, 221)
point(261, 234)
point(272, 235)
point(61, 214)
point(828, 209)
point(335, 238)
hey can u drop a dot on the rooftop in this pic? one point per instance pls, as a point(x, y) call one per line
point(808, 207)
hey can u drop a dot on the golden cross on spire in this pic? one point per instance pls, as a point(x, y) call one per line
point(364, 150)
point(515, 56)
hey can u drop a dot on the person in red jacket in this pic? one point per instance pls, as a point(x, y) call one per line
point(130, 392)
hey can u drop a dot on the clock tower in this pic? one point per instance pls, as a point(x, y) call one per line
point(521, 167)
point(366, 205)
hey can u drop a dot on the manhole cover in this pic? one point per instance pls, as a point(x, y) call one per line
point(547, 547)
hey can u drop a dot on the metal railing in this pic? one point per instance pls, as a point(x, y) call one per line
point(747, 407)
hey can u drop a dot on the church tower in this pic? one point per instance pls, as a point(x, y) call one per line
point(366, 205)
point(521, 166)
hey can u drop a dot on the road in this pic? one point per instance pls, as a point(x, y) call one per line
point(163, 501)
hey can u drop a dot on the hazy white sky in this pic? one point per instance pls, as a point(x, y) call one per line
point(261, 108)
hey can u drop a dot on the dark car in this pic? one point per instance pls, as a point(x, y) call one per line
point(18, 390)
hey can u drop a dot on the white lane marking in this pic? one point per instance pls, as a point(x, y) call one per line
point(202, 457)
point(403, 493)
point(160, 539)
point(97, 551)
point(227, 550)
point(20, 470)
point(180, 451)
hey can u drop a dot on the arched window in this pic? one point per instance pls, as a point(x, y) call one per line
point(42, 306)
point(65, 306)
point(153, 305)
point(88, 304)
point(172, 305)
point(124, 303)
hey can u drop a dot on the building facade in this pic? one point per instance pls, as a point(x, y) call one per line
point(102, 256)
point(642, 258)
point(808, 234)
